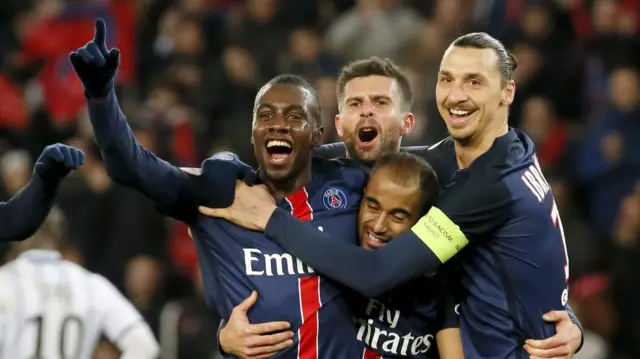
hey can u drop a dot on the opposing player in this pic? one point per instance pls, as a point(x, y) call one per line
point(21, 216)
point(495, 198)
point(52, 308)
point(375, 112)
point(234, 262)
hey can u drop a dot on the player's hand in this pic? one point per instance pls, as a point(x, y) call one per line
point(56, 161)
point(218, 179)
point(95, 65)
point(560, 346)
point(253, 341)
point(252, 207)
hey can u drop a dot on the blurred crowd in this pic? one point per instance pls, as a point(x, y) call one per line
point(190, 71)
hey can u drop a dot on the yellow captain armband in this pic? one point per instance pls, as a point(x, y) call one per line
point(440, 234)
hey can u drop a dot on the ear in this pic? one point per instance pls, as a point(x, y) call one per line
point(408, 121)
point(508, 93)
point(338, 125)
point(317, 137)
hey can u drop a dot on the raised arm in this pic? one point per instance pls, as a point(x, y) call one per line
point(176, 192)
point(126, 162)
point(23, 214)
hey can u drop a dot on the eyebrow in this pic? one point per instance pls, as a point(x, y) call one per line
point(469, 75)
point(393, 211)
point(374, 97)
point(286, 109)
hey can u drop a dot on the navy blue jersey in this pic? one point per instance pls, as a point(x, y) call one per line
point(498, 216)
point(518, 268)
point(404, 321)
point(235, 261)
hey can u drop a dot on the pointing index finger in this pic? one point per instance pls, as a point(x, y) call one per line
point(101, 35)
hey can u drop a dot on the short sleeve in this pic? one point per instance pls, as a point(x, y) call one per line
point(118, 314)
point(464, 213)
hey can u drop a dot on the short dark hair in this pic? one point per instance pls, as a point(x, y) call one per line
point(506, 64)
point(315, 108)
point(411, 170)
point(371, 67)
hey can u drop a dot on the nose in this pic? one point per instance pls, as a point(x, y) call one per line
point(380, 224)
point(278, 124)
point(457, 95)
point(367, 109)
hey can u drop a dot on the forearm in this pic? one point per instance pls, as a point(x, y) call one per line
point(23, 214)
point(128, 163)
point(370, 273)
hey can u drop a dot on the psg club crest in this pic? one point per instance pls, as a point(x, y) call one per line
point(334, 198)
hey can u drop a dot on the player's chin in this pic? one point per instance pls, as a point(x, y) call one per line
point(279, 171)
point(368, 155)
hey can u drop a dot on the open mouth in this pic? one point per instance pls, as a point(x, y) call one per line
point(374, 241)
point(459, 117)
point(367, 136)
point(279, 150)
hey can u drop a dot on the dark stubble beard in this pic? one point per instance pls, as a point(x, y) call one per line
point(389, 142)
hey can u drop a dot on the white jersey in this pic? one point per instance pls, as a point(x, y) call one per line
point(54, 309)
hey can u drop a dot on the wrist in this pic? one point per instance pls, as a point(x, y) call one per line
point(265, 215)
point(222, 339)
point(45, 180)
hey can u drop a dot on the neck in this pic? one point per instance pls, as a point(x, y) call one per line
point(282, 189)
point(469, 151)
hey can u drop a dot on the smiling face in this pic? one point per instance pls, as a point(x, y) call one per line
point(284, 132)
point(471, 95)
point(387, 209)
point(373, 117)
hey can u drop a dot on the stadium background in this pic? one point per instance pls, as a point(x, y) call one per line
point(191, 68)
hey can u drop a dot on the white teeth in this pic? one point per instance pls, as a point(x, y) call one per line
point(459, 112)
point(374, 238)
point(274, 143)
point(367, 129)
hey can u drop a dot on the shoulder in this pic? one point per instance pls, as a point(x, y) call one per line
point(106, 290)
point(485, 189)
point(342, 169)
point(331, 150)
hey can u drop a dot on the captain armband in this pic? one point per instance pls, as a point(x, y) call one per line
point(440, 234)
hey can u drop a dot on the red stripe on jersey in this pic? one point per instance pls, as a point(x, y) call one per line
point(368, 354)
point(309, 307)
point(309, 287)
point(300, 207)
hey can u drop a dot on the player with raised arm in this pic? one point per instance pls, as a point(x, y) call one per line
point(235, 262)
point(494, 197)
point(52, 308)
point(21, 216)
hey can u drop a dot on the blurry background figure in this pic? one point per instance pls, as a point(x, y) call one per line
point(186, 327)
point(189, 74)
